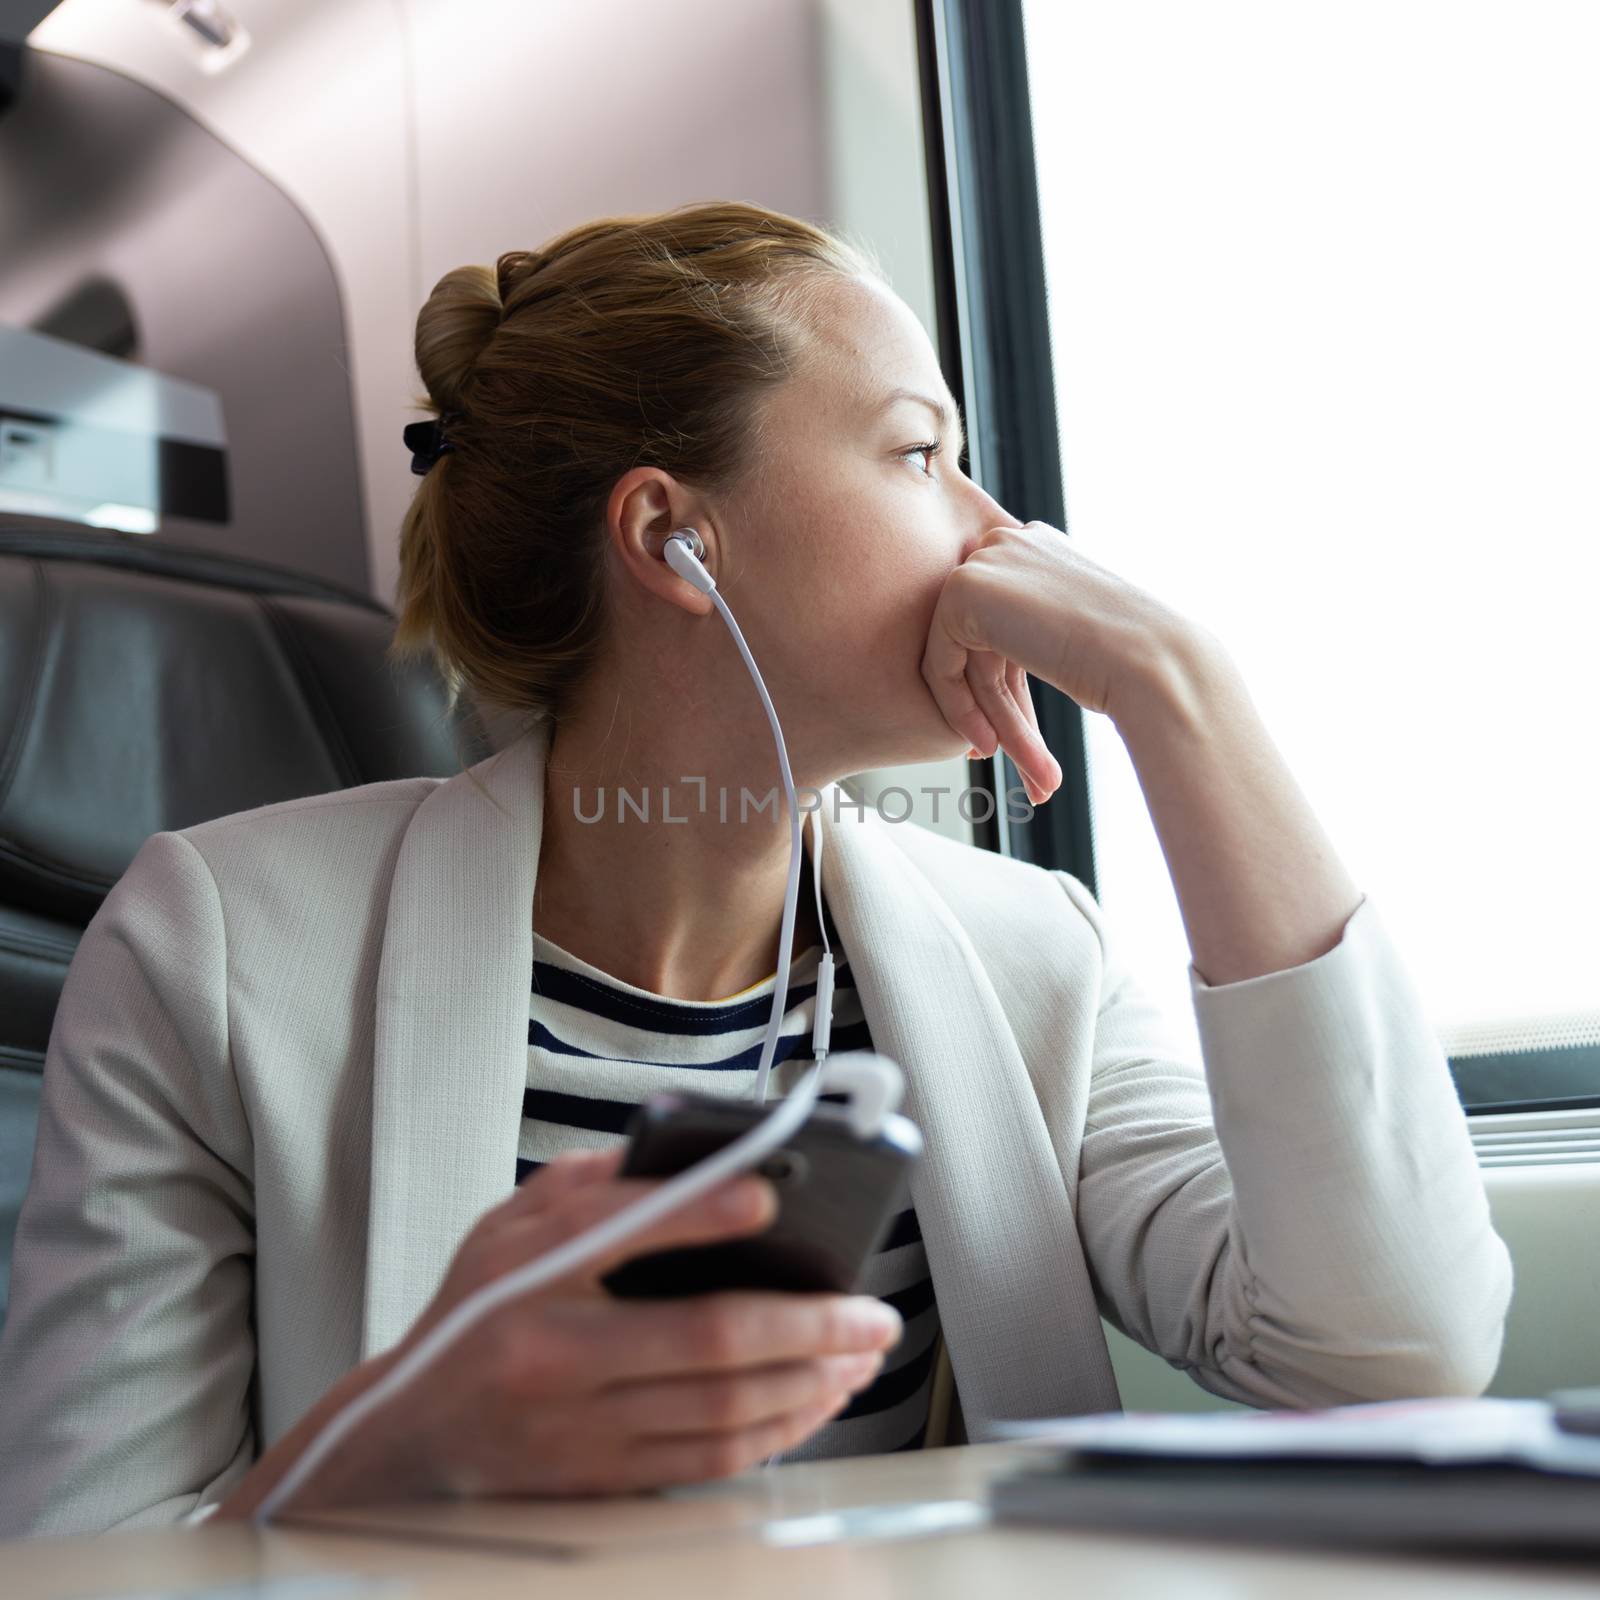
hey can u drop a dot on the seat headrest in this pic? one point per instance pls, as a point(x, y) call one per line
point(145, 686)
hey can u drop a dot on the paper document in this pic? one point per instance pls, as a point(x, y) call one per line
point(1517, 1432)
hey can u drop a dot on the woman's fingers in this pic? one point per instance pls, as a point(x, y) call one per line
point(731, 1402)
point(1018, 732)
point(731, 1331)
point(984, 696)
point(944, 670)
point(741, 1206)
point(698, 1458)
point(1021, 692)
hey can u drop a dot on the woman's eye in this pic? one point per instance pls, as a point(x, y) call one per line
point(930, 450)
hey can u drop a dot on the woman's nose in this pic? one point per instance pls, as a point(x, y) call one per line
point(991, 514)
point(995, 515)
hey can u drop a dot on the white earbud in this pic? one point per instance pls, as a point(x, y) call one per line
point(683, 552)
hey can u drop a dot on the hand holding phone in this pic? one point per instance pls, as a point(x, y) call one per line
point(838, 1192)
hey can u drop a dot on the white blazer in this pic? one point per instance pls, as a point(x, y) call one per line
point(286, 1077)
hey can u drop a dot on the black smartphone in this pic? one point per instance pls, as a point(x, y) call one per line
point(837, 1196)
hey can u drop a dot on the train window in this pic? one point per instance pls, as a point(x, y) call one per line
point(1321, 299)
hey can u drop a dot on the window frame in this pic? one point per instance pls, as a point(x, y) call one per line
point(989, 301)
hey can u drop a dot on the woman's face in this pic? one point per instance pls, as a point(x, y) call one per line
point(835, 554)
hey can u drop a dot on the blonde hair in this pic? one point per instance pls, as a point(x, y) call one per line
point(628, 341)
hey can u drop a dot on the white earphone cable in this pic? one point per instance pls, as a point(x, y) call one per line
point(822, 1016)
point(744, 1152)
point(791, 891)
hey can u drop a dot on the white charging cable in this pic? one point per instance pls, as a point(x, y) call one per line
point(748, 1150)
point(681, 552)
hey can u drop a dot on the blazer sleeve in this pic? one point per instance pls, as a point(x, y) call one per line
point(1302, 1221)
point(127, 1356)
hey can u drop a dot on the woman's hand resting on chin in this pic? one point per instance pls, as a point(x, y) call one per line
point(1258, 881)
point(1026, 601)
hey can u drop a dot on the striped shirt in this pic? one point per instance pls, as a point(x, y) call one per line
point(598, 1046)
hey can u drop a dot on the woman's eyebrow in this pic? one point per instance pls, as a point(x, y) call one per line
point(947, 414)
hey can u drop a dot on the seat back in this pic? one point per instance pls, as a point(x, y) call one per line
point(145, 687)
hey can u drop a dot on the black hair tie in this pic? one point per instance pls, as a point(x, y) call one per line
point(427, 442)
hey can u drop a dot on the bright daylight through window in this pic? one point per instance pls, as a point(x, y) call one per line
point(1327, 347)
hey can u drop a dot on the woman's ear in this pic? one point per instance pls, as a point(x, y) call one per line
point(646, 506)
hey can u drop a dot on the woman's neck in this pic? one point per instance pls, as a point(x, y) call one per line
point(676, 900)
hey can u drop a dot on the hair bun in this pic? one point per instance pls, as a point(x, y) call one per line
point(457, 321)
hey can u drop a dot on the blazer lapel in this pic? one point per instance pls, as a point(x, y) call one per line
point(1016, 1299)
point(451, 1037)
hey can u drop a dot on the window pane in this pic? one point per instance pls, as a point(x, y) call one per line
point(1327, 345)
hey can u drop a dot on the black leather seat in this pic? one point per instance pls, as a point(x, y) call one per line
point(144, 687)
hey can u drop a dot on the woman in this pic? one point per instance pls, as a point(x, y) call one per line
point(299, 1065)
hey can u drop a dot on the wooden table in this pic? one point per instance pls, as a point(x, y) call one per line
point(766, 1536)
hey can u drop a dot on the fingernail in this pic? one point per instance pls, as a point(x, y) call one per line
point(880, 1324)
point(745, 1200)
point(856, 1372)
